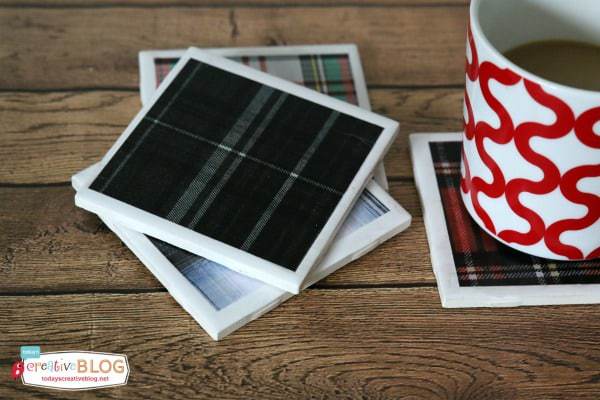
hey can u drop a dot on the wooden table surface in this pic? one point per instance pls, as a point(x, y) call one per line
point(69, 85)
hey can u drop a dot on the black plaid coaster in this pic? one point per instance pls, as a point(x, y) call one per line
point(239, 162)
point(239, 166)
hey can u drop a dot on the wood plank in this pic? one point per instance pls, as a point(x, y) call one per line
point(98, 47)
point(59, 133)
point(229, 3)
point(47, 244)
point(46, 137)
point(363, 343)
point(431, 110)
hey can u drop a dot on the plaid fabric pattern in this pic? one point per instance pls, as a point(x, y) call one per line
point(162, 67)
point(326, 73)
point(222, 286)
point(218, 284)
point(481, 260)
point(210, 155)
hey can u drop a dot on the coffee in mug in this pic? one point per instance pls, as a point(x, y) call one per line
point(567, 62)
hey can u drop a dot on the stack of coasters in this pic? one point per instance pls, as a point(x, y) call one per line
point(231, 184)
point(473, 269)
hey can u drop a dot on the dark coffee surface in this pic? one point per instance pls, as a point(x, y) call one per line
point(570, 63)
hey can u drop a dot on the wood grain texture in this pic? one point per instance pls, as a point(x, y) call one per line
point(46, 137)
point(231, 3)
point(374, 329)
point(50, 245)
point(59, 133)
point(91, 48)
point(359, 343)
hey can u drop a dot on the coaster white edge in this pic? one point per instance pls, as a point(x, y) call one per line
point(148, 82)
point(453, 295)
point(220, 252)
point(220, 323)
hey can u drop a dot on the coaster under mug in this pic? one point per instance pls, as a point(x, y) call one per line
point(471, 268)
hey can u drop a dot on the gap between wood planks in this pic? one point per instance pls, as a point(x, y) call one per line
point(241, 4)
point(61, 122)
point(135, 89)
point(317, 286)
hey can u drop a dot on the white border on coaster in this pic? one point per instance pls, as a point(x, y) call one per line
point(452, 294)
point(220, 323)
point(148, 82)
point(220, 252)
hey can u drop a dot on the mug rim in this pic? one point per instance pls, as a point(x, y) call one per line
point(476, 30)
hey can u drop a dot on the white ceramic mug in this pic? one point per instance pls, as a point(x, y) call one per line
point(531, 147)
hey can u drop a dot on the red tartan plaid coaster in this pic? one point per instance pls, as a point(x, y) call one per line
point(472, 268)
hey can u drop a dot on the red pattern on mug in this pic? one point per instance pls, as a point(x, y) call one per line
point(568, 187)
point(516, 132)
point(584, 127)
point(551, 178)
point(501, 135)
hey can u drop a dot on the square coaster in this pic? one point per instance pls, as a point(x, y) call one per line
point(221, 300)
point(334, 70)
point(246, 169)
point(473, 269)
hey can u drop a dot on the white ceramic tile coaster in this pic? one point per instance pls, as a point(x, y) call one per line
point(221, 300)
point(256, 260)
